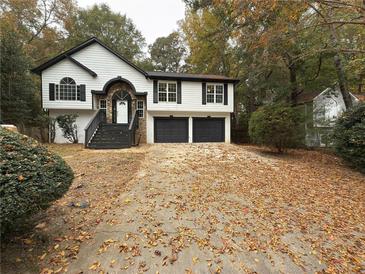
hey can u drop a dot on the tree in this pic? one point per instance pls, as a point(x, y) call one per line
point(19, 101)
point(167, 53)
point(68, 125)
point(278, 50)
point(115, 30)
point(38, 24)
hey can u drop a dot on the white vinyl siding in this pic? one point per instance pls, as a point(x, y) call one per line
point(191, 100)
point(108, 66)
point(104, 63)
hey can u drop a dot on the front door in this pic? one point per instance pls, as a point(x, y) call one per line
point(122, 112)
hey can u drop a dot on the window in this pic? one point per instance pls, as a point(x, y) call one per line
point(215, 93)
point(102, 104)
point(166, 91)
point(219, 94)
point(67, 90)
point(140, 109)
point(210, 93)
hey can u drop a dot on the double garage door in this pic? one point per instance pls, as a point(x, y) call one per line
point(176, 130)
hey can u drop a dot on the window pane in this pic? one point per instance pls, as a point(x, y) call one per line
point(219, 89)
point(219, 98)
point(210, 88)
point(210, 98)
point(139, 104)
point(172, 87)
point(162, 87)
point(162, 96)
point(102, 104)
point(172, 97)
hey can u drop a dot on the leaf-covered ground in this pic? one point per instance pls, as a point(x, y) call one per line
point(100, 177)
point(208, 208)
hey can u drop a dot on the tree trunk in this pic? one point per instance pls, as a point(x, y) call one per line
point(339, 69)
point(342, 81)
point(293, 84)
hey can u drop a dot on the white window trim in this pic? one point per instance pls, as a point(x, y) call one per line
point(106, 103)
point(58, 90)
point(141, 108)
point(215, 93)
point(167, 92)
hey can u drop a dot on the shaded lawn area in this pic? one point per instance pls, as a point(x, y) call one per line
point(54, 236)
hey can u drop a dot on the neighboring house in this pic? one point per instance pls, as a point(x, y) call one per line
point(321, 112)
point(119, 104)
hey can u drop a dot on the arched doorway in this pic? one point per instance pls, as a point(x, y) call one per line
point(120, 100)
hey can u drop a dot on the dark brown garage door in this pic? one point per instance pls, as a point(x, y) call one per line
point(171, 130)
point(208, 129)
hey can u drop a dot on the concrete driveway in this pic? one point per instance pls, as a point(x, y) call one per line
point(217, 208)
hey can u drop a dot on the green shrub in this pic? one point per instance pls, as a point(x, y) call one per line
point(67, 123)
point(277, 126)
point(349, 136)
point(31, 178)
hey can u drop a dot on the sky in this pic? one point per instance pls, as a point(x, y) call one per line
point(154, 18)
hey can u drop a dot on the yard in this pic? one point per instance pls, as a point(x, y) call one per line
point(199, 208)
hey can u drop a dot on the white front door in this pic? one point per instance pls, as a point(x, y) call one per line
point(122, 112)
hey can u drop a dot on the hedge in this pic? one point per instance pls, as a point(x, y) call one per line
point(31, 178)
point(349, 136)
point(277, 126)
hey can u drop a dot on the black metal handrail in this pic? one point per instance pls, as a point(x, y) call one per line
point(133, 126)
point(99, 117)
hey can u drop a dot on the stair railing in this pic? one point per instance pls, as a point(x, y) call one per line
point(99, 117)
point(133, 126)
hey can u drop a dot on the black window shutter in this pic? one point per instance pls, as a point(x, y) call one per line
point(155, 93)
point(204, 93)
point(82, 93)
point(51, 91)
point(225, 94)
point(179, 92)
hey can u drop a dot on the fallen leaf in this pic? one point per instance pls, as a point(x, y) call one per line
point(95, 265)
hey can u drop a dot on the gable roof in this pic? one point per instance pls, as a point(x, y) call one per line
point(151, 74)
point(77, 48)
point(306, 97)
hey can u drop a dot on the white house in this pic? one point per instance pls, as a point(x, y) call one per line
point(119, 104)
point(322, 109)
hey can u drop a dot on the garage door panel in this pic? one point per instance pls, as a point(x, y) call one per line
point(208, 129)
point(171, 130)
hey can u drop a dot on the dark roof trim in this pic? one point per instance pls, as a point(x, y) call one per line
point(116, 80)
point(191, 77)
point(58, 58)
point(97, 92)
point(100, 92)
point(92, 73)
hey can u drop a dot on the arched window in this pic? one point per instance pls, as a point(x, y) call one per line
point(68, 90)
